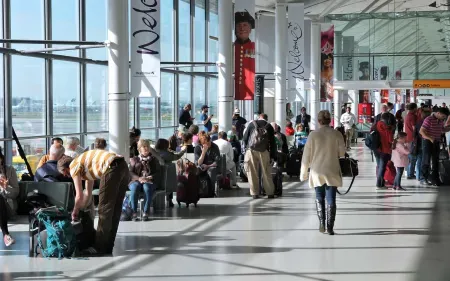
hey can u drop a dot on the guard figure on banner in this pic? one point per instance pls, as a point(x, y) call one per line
point(244, 57)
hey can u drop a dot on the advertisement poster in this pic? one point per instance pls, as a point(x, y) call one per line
point(145, 49)
point(408, 95)
point(365, 113)
point(327, 58)
point(399, 96)
point(244, 56)
point(364, 70)
point(295, 55)
point(364, 96)
point(384, 96)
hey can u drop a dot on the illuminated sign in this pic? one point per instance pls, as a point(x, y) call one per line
point(431, 84)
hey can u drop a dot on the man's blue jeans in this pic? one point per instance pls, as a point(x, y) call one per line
point(412, 165)
point(135, 188)
point(419, 166)
point(382, 162)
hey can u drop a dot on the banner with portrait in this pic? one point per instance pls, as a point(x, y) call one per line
point(384, 96)
point(327, 59)
point(295, 51)
point(244, 50)
point(364, 96)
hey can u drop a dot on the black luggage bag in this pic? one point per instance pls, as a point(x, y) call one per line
point(294, 163)
point(444, 172)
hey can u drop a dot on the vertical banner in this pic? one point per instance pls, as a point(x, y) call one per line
point(364, 96)
point(384, 96)
point(258, 106)
point(327, 58)
point(408, 95)
point(296, 56)
point(244, 50)
point(347, 62)
point(145, 49)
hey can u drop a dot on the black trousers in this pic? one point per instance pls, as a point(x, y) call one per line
point(430, 161)
point(3, 216)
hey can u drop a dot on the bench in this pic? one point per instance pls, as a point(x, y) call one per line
point(60, 194)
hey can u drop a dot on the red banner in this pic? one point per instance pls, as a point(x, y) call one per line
point(244, 57)
point(327, 60)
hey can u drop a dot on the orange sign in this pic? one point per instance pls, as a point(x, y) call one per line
point(431, 84)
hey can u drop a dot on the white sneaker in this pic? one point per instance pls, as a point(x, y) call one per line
point(8, 240)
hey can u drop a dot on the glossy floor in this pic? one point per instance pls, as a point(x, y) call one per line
point(379, 236)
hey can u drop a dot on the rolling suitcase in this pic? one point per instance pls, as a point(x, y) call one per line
point(187, 184)
point(390, 173)
point(277, 177)
point(444, 172)
point(294, 163)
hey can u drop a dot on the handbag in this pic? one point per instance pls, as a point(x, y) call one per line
point(443, 153)
point(349, 169)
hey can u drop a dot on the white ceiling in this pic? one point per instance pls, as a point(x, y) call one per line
point(415, 34)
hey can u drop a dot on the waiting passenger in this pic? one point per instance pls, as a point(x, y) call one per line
point(112, 170)
point(384, 153)
point(162, 149)
point(145, 175)
point(226, 148)
point(321, 157)
point(237, 148)
point(185, 120)
point(73, 148)
point(135, 135)
point(9, 190)
point(44, 158)
point(49, 171)
point(194, 129)
point(214, 132)
point(300, 136)
point(207, 155)
point(100, 143)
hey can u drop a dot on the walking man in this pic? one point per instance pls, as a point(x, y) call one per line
point(348, 119)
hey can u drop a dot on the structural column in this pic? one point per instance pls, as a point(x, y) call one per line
point(338, 75)
point(377, 101)
point(225, 65)
point(315, 74)
point(118, 77)
point(280, 64)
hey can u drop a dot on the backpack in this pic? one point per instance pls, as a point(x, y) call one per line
point(373, 140)
point(259, 138)
point(61, 238)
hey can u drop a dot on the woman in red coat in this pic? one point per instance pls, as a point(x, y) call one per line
point(385, 150)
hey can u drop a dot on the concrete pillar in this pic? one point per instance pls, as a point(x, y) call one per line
point(118, 77)
point(280, 64)
point(315, 74)
point(225, 65)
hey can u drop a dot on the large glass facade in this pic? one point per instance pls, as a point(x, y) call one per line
point(54, 96)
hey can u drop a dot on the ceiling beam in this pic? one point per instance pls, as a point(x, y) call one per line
point(353, 23)
point(372, 30)
point(381, 41)
point(330, 8)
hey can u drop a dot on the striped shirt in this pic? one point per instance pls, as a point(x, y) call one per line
point(434, 127)
point(92, 164)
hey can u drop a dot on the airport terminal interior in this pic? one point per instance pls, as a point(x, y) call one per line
point(83, 71)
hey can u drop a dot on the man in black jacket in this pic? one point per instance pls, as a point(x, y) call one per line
point(185, 118)
point(303, 119)
point(386, 108)
point(260, 159)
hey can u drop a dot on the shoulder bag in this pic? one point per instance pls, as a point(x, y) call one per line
point(349, 169)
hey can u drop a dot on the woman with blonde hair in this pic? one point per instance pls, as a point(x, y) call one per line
point(321, 156)
point(145, 175)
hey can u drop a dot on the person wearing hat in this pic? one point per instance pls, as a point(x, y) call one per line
point(244, 52)
point(206, 119)
point(239, 122)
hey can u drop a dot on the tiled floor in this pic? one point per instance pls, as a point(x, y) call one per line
point(379, 236)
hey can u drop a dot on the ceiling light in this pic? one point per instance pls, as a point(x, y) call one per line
point(440, 30)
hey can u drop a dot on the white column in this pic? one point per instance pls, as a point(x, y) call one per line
point(377, 101)
point(280, 64)
point(353, 98)
point(225, 63)
point(118, 77)
point(338, 75)
point(315, 74)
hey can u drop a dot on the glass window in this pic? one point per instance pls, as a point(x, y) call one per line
point(184, 91)
point(28, 96)
point(96, 27)
point(166, 133)
point(66, 97)
point(149, 135)
point(97, 97)
point(213, 53)
point(167, 34)
point(167, 99)
point(131, 113)
point(65, 20)
point(199, 96)
point(199, 32)
point(212, 98)
point(91, 138)
point(184, 30)
point(147, 112)
point(213, 18)
point(34, 149)
point(27, 22)
point(2, 109)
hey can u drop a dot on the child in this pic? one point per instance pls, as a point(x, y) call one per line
point(400, 152)
point(289, 129)
point(300, 136)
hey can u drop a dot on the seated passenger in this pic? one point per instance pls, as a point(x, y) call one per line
point(214, 132)
point(300, 136)
point(188, 142)
point(145, 175)
point(9, 190)
point(100, 143)
point(193, 129)
point(49, 171)
point(236, 145)
point(44, 158)
point(135, 135)
point(207, 155)
point(226, 148)
point(73, 148)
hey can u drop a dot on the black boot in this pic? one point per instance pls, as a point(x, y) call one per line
point(169, 198)
point(320, 206)
point(331, 216)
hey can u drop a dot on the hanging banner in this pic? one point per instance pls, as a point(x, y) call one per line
point(258, 104)
point(364, 96)
point(327, 58)
point(244, 50)
point(347, 62)
point(384, 96)
point(408, 95)
point(296, 56)
point(145, 48)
